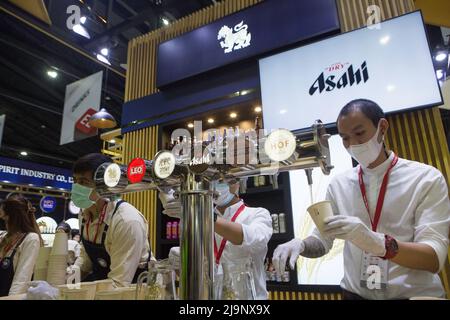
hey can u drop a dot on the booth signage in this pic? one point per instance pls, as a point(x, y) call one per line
point(136, 170)
point(269, 25)
point(27, 173)
point(112, 175)
point(82, 100)
point(315, 81)
point(48, 204)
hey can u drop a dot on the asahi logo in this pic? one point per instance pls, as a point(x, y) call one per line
point(333, 78)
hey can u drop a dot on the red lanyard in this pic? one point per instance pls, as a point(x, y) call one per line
point(218, 254)
point(380, 196)
point(100, 221)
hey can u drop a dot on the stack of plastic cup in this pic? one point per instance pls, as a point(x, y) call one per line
point(41, 266)
point(57, 262)
point(128, 293)
point(114, 294)
point(103, 285)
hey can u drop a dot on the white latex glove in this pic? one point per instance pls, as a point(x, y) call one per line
point(172, 206)
point(354, 230)
point(292, 250)
point(41, 290)
point(174, 257)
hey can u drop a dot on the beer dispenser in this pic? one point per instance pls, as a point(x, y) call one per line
point(192, 170)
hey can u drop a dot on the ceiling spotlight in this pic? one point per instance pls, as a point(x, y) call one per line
point(258, 109)
point(104, 51)
point(24, 153)
point(440, 74)
point(79, 29)
point(83, 20)
point(48, 187)
point(233, 115)
point(190, 125)
point(52, 74)
point(384, 40)
point(244, 92)
point(441, 56)
point(112, 141)
point(210, 120)
point(103, 59)
point(165, 21)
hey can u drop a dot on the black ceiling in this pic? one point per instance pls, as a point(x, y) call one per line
point(33, 102)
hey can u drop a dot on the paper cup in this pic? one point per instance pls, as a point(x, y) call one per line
point(60, 244)
point(40, 274)
point(109, 295)
point(103, 285)
point(42, 259)
point(319, 211)
point(128, 293)
point(73, 294)
point(91, 287)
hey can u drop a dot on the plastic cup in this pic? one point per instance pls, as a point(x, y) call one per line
point(73, 294)
point(109, 295)
point(319, 211)
point(103, 285)
point(42, 259)
point(91, 287)
point(128, 293)
point(60, 244)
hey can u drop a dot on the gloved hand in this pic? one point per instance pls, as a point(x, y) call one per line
point(172, 206)
point(290, 249)
point(41, 290)
point(354, 230)
point(174, 257)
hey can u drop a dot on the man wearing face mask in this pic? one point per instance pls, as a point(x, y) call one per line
point(240, 231)
point(114, 234)
point(393, 213)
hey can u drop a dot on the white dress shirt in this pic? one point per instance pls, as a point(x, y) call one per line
point(24, 260)
point(416, 209)
point(257, 229)
point(126, 242)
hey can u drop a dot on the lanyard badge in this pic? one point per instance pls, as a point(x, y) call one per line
point(374, 270)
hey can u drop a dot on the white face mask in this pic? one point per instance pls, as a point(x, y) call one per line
point(225, 196)
point(368, 152)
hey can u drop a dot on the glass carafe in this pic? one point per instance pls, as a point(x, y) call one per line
point(158, 283)
point(238, 281)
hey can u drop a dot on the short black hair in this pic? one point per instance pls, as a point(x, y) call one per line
point(74, 232)
point(368, 107)
point(90, 162)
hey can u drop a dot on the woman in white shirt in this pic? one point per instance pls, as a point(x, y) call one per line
point(19, 245)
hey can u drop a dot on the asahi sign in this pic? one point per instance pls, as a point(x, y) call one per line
point(382, 64)
point(340, 76)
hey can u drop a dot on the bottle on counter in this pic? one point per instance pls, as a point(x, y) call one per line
point(169, 230)
point(262, 181)
point(282, 222)
point(275, 224)
point(174, 230)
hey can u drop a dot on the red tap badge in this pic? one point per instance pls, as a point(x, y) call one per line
point(136, 170)
point(83, 123)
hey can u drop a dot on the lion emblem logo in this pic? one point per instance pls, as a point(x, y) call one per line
point(234, 38)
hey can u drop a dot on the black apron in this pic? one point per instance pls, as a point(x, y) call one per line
point(7, 270)
point(99, 257)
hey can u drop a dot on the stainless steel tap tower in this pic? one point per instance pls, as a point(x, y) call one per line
point(194, 173)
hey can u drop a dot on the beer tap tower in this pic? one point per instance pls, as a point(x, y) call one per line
point(193, 170)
